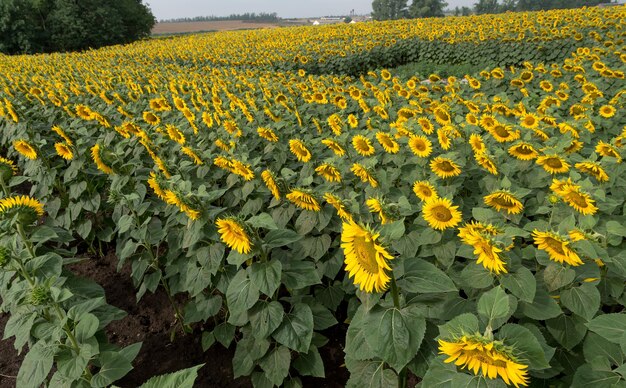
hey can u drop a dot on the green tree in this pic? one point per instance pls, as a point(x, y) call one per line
point(486, 6)
point(427, 8)
point(389, 9)
point(34, 26)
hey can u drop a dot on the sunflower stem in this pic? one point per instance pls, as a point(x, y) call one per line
point(402, 376)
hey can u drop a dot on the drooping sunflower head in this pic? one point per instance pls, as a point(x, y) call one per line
point(339, 205)
point(486, 162)
point(556, 247)
point(328, 172)
point(26, 208)
point(242, 169)
point(607, 150)
point(579, 200)
point(476, 142)
point(366, 259)
point(64, 151)
point(363, 145)
point(424, 190)
point(267, 134)
point(387, 142)
point(151, 118)
point(440, 213)
point(504, 200)
point(270, 182)
point(594, 169)
point(364, 174)
point(233, 234)
point(485, 356)
point(444, 167)
point(298, 148)
point(304, 199)
point(7, 169)
point(529, 121)
point(96, 154)
point(553, 164)
point(334, 146)
point(442, 116)
point(25, 149)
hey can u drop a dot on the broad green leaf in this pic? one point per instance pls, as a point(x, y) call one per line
point(322, 317)
point(423, 277)
point(526, 345)
point(493, 304)
point(296, 329)
point(616, 228)
point(371, 374)
point(281, 237)
point(596, 346)
point(440, 374)
point(86, 327)
point(266, 276)
point(265, 318)
point(543, 306)
point(276, 365)
point(224, 333)
point(395, 335)
point(310, 364)
point(393, 231)
point(567, 330)
point(460, 325)
point(262, 220)
point(583, 300)
point(113, 367)
point(36, 365)
point(521, 283)
point(299, 274)
point(241, 294)
point(556, 276)
point(184, 378)
point(356, 346)
point(609, 326)
point(586, 377)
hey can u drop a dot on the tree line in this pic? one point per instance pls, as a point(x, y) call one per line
point(42, 26)
point(260, 17)
point(398, 9)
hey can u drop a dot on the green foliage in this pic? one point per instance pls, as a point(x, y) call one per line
point(427, 8)
point(389, 9)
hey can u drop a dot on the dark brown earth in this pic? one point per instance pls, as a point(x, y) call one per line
point(151, 321)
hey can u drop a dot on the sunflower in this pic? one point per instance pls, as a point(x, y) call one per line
point(64, 151)
point(329, 172)
point(377, 206)
point(363, 173)
point(242, 169)
point(477, 143)
point(387, 142)
point(490, 358)
point(363, 145)
point(175, 134)
point(97, 158)
point(471, 119)
point(529, 121)
point(440, 214)
point(553, 164)
point(503, 133)
point(558, 186)
point(580, 201)
point(298, 148)
point(28, 208)
point(442, 116)
point(334, 146)
point(221, 144)
point(303, 199)
point(7, 169)
point(594, 169)
point(339, 206)
point(424, 190)
point(442, 136)
point(504, 200)
point(420, 146)
point(488, 253)
point(605, 149)
point(444, 167)
point(151, 118)
point(59, 131)
point(426, 125)
point(335, 123)
point(556, 247)
point(25, 149)
point(366, 259)
point(233, 234)
point(577, 235)
point(486, 162)
point(270, 183)
point(267, 134)
point(84, 112)
point(487, 121)
point(352, 120)
point(189, 152)
point(523, 151)
point(153, 182)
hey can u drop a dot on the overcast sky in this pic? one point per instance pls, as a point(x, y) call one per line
point(168, 9)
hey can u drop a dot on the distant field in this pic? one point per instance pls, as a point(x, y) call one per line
point(182, 27)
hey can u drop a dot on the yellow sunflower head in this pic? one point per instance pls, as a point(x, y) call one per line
point(7, 169)
point(366, 259)
point(388, 143)
point(440, 213)
point(233, 234)
point(26, 208)
point(424, 190)
point(553, 164)
point(363, 145)
point(444, 167)
point(328, 172)
point(420, 146)
point(298, 148)
point(64, 151)
point(270, 182)
point(556, 247)
point(25, 149)
point(504, 200)
point(304, 199)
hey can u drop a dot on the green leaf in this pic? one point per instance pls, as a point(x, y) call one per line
point(616, 228)
point(609, 326)
point(567, 330)
point(124, 223)
point(440, 375)
point(265, 318)
point(241, 295)
point(262, 220)
point(393, 231)
point(224, 333)
point(296, 330)
point(310, 364)
point(113, 367)
point(36, 365)
point(276, 365)
point(543, 306)
point(396, 334)
point(556, 276)
point(587, 377)
point(305, 222)
point(208, 339)
point(202, 308)
point(494, 304)
point(521, 283)
point(184, 378)
point(356, 346)
point(73, 366)
point(423, 277)
point(460, 325)
point(583, 300)
point(596, 347)
point(407, 245)
point(526, 345)
point(299, 274)
point(281, 237)
point(322, 317)
point(371, 374)
point(86, 327)
point(266, 276)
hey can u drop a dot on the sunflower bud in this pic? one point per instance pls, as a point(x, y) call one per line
point(553, 199)
point(39, 295)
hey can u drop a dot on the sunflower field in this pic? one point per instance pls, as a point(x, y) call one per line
point(469, 230)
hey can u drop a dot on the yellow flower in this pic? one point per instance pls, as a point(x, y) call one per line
point(486, 356)
point(56, 129)
point(22, 202)
point(427, 126)
point(442, 116)
point(363, 145)
point(267, 134)
point(151, 118)
point(366, 260)
point(476, 142)
point(594, 169)
point(503, 133)
point(388, 143)
point(334, 146)
point(329, 172)
point(303, 199)
point(298, 148)
point(363, 174)
point(25, 149)
point(556, 247)
point(580, 201)
point(488, 253)
point(529, 121)
point(444, 167)
point(270, 183)
point(242, 169)
point(503, 200)
point(233, 234)
point(64, 151)
point(607, 111)
point(420, 146)
point(97, 158)
point(440, 214)
point(189, 152)
point(576, 235)
point(424, 190)
point(156, 187)
point(175, 134)
point(7, 168)
point(376, 206)
point(339, 206)
point(553, 164)
point(605, 149)
point(486, 162)
point(335, 123)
